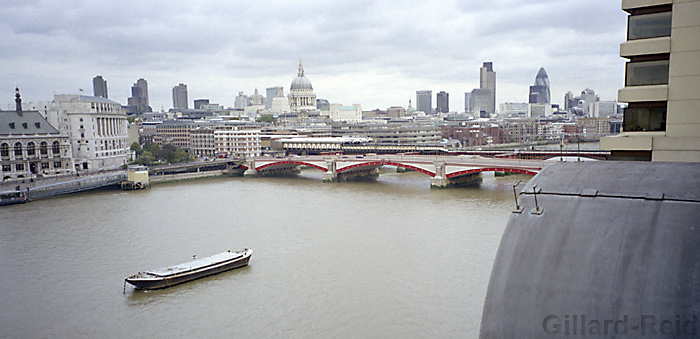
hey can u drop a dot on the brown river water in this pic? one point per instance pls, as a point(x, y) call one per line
point(383, 258)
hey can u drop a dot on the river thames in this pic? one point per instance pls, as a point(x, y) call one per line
point(383, 258)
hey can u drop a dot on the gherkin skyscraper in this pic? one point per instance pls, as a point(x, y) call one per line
point(539, 92)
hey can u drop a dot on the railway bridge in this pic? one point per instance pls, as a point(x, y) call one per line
point(444, 171)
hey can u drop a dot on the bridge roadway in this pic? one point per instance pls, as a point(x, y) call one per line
point(444, 171)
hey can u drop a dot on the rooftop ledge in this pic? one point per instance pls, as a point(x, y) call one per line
point(648, 46)
point(632, 4)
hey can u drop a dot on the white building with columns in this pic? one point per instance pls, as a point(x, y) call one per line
point(97, 128)
point(301, 95)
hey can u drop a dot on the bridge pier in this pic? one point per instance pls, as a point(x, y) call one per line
point(360, 174)
point(440, 180)
point(331, 174)
point(250, 172)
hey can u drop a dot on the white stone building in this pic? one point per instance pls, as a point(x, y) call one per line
point(97, 129)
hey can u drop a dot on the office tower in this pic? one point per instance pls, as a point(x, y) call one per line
point(138, 102)
point(569, 102)
point(443, 102)
point(481, 102)
point(487, 81)
point(270, 93)
point(424, 101)
point(468, 102)
point(99, 86)
point(241, 101)
point(180, 96)
point(200, 102)
point(539, 92)
point(662, 119)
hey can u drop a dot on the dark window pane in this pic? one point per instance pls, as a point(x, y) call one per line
point(643, 119)
point(647, 73)
point(649, 26)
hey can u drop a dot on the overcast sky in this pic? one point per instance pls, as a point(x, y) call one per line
point(376, 53)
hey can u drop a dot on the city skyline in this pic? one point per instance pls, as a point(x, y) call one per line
point(375, 54)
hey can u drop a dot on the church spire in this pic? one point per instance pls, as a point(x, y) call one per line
point(301, 69)
point(18, 101)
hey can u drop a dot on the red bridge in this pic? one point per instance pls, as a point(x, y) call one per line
point(444, 170)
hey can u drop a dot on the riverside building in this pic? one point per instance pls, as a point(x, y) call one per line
point(662, 120)
point(30, 146)
point(97, 128)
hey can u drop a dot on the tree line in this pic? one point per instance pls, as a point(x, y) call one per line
point(152, 154)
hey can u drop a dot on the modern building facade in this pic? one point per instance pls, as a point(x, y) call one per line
point(99, 87)
point(540, 92)
point(487, 81)
point(180, 96)
point(443, 102)
point(662, 120)
point(301, 94)
point(138, 102)
point(270, 93)
point(424, 101)
point(389, 133)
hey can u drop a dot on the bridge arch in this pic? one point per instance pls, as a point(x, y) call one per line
point(291, 162)
point(411, 167)
point(490, 169)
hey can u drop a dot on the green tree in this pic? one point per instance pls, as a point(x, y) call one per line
point(181, 155)
point(265, 118)
point(152, 147)
point(136, 148)
point(167, 153)
point(146, 158)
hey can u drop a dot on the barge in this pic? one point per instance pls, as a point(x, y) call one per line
point(195, 269)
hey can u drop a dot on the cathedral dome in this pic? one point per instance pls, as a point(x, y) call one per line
point(301, 82)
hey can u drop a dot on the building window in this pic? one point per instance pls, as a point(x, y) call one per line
point(44, 165)
point(31, 149)
point(5, 150)
point(645, 117)
point(18, 149)
point(19, 167)
point(56, 149)
point(57, 164)
point(652, 25)
point(640, 73)
point(44, 148)
point(7, 168)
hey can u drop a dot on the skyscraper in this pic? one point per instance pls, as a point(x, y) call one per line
point(138, 102)
point(424, 101)
point(99, 86)
point(487, 81)
point(539, 92)
point(270, 93)
point(443, 102)
point(468, 102)
point(180, 96)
